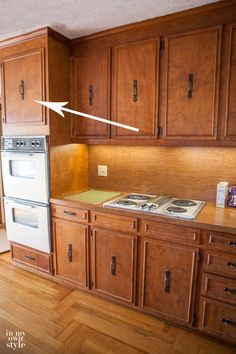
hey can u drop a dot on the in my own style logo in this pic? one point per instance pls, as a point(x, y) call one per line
point(15, 340)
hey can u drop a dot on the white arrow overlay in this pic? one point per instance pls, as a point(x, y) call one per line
point(58, 107)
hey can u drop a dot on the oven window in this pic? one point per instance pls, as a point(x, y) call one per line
point(22, 168)
point(25, 217)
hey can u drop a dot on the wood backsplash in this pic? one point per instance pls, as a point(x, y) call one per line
point(68, 169)
point(188, 172)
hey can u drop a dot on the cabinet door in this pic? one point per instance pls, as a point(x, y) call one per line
point(24, 82)
point(229, 127)
point(168, 279)
point(114, 264)
point(134, 96)
point(192, 63)
point(71, 251)
point(92, 94)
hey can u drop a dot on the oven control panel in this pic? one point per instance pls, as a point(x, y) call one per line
point(24, 143)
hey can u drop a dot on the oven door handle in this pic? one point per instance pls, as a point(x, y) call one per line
point(23, 206)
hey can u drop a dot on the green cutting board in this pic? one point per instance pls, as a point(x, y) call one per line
point(92, 196)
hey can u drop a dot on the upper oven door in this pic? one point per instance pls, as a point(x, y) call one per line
point(25, 176)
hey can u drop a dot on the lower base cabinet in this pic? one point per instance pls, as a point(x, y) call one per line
point(70, 241)
point(168, 279)
point(113, 259)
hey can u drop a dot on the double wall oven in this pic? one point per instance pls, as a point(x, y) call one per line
point(26, 190)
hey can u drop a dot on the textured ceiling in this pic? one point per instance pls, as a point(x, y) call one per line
point(75, 18)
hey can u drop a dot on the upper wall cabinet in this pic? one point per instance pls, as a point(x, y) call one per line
point(23, 77)
point(191, 85)
point(91, 94)
point(35, 66)
point(229, 122)
point(134, 89)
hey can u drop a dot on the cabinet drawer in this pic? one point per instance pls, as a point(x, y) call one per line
point(114, 222)
point(221, 241)
point(68, 213)
point(219, 288)
point(170, 232)
point(221, 263)
point(32, 258)
point(218, 319)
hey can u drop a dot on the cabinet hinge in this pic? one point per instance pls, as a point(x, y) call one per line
point(162, 44)
point(159, 131)
point(199, 257)
point(194, 319)
point(91, 232)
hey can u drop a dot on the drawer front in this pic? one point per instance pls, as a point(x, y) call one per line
point(68, 213)
point(32, 258)
point(218, 319)
point(220, 263)
point(170, 232)
point(114, 222)
point(219, 288)
point(222, 242)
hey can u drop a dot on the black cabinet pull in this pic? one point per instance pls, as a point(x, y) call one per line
point(167, 281)
point(228, 322)
point(30, 258)
point(68, 212)
point(69, 252)
point(22, 89)
point(135, 88)
point(190, 86)
point(232, 243)
point(230, 291)
point(113, 265)
point(231, 264)
point(90, 95)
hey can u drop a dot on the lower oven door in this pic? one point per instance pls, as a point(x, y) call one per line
point(28, 224)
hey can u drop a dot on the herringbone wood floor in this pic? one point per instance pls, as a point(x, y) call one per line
point(58, 319)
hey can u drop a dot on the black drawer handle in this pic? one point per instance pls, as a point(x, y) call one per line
point(30, 258)
point(113, 265)
point(190, 86)
point(228, 322)
point(71, 213)
point(22, 89)
point(231, 264)
point(135, 89)
point(230, 291)
point(90, 95)
point(167, 282)
point(69, 253)
point(232, 243)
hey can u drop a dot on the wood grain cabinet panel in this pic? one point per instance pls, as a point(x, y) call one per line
point(168, 279)
point(220, 263)
point(192, 63)
point(114, 264)
point(92, 94)
point(24, 82)
point(32, 258)
point(69, 213)
point(71, 250)
point(134, 90)
point(229, 127)
point(114, 222)
point(218, 319)
point(221, 241)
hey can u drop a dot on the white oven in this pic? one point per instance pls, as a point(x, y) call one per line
point(25, 175)
point(28, 224)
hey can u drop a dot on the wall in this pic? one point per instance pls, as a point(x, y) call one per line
point(189, 172)
point(68, 169)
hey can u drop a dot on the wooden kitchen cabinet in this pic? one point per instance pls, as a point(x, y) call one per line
point(135, 88)
point(70, 242)
point(91, 94)
point(229, 122)
point(168, 279)
point(24, 77)
point(191, 84)
point(113, 258)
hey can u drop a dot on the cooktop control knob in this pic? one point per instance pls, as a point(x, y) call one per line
point(18, 143)
point(33, 143)
point(37, 143)
point(22, 143)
